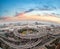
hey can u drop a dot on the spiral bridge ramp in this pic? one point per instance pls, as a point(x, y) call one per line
point(25, 38)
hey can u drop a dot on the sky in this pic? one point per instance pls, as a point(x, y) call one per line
point(11, 7)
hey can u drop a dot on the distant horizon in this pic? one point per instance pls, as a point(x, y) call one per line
point(30, 22)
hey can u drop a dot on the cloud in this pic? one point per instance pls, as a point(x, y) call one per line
point(2, 18)
point(34, 17)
